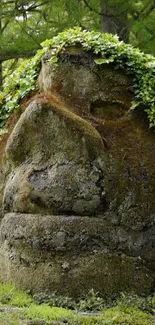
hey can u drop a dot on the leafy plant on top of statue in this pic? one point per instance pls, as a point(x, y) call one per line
point(106, 49)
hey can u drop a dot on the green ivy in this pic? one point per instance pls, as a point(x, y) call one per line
point(107, 48)
point(18, 85)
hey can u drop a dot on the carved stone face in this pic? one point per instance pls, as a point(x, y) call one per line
point(73, 151)
point(102, 91)
point(77, 152)
point(56, 159)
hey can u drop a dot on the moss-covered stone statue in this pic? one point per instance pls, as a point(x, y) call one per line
point(78, 183)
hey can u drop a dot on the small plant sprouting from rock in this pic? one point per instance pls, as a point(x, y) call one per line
point(54, 300)
point(90, 302)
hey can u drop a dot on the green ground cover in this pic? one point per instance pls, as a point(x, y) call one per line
point(18, 308)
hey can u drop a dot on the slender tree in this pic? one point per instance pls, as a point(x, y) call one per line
point(133, 21)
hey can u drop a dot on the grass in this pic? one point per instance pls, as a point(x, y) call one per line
point(13, 297)
point(48, 314)
point(122, 314)
point(12, 318)
point(18, 308)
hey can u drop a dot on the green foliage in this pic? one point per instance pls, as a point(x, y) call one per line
point(18, 84)
point(90, 302)
point(47, 314)
point(146, 304)
point(90, 310)
point(12, 318)
point(126, 315)
point(12, 296)
point(54, 300)
point(106, 48)
point(25, 24)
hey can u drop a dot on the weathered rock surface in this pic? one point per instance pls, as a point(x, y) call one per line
point(102, 91)
point(79, 186)
point(54, 163)
point(71, 255)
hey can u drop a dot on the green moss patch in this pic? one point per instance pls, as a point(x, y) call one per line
point(91, 310)
point(9, 317)
point(12, 296)
point(78, 126)
point(47, 313)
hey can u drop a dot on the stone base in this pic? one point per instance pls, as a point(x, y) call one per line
point(70, 255)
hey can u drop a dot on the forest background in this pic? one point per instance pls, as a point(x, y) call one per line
point(25, 24)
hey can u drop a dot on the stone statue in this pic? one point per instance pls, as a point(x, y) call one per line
point(78, 192)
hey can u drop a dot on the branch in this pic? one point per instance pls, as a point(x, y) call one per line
point(18, 10)
point(148, 10)
point(16, 55)
point(92, 9)
point(5, 25)
point(25, 31)
point(32, 7)
point(144, 12)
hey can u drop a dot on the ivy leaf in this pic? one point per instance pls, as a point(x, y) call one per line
point(100, 61)
point(53, 59)
point(134, 104)
point(103, 61)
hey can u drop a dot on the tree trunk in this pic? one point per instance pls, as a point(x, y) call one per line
point(1, 67)
point(114, 21)
point(1, 75)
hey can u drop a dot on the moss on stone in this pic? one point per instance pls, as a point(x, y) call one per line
point(64, 159)
point(79, 126)
point(43, 258)
point(24, 134)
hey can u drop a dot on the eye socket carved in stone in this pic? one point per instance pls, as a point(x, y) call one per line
point(108, 109)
